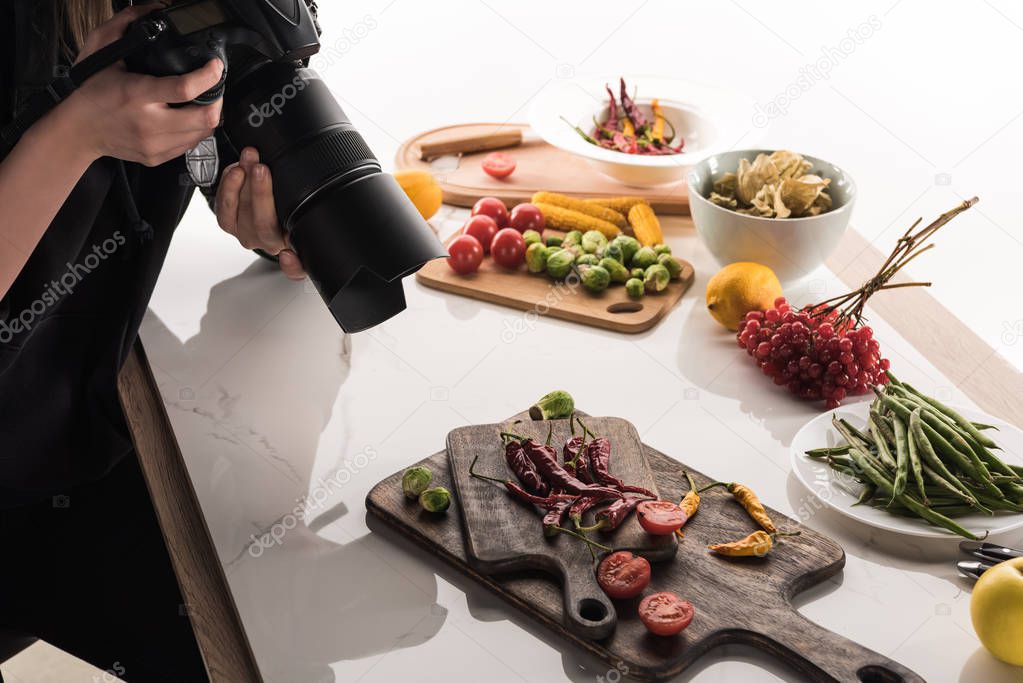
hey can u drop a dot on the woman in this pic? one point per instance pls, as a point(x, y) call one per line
point(89, 199)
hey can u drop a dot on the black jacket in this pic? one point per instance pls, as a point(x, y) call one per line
point(74, 311)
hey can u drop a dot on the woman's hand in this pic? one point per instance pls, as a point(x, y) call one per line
point(126, 115)
point(245, 209)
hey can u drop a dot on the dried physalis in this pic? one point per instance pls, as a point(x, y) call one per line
point(776, 185)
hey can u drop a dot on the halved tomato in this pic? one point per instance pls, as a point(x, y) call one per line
point(498, 164)
point(665, 614)
point(623, 575)
point(660, 517)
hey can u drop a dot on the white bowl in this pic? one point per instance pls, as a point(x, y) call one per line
point(791, 247)
point(708, 118)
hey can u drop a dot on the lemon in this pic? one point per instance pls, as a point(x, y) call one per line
point(739, 288)
point(422, 189)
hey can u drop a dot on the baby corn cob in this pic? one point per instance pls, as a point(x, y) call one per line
point(566, 220)
point(582, 206)
point(645, 225)
point(619, 204)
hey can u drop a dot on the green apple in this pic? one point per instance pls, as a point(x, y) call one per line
point(997, 610)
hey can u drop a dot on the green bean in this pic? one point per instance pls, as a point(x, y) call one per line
point(1012, 489)
point(856, 432)
point(981, 475)
point(959, 419)
point(846, 430)
point(933, 464)
point(868, 492)
point(901, 456)
point(881, 442)
point(959, 442)
point(992, 461)
point(921, 510)
point(982, 427)
point(914, 461)
point(824, 452)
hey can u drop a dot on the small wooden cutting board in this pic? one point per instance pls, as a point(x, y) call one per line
point(540, 167)
point(504, 535)
point(539, 295)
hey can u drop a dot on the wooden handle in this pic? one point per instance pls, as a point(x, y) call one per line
point(825, 656)
point(467, 144)
point(588, 611)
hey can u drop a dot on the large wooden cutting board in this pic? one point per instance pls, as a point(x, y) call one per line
point(737, 601)
point(504, 535)
point(539, 295)
point(539, 167)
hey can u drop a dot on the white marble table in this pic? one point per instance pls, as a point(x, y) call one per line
point(285, 425)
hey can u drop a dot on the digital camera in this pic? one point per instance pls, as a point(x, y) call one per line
point(352, 226)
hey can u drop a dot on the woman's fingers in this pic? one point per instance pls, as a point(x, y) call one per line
point(290, 265)
point(191, 118)
point(229, 198)
point(180, 89)
point(264, 213)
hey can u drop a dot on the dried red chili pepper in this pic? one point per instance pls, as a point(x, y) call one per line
point(612, 110)
point(582, 504)
point(521, 466)
point(545, 459)
point(552, 520)
point(631, 110)
point(611, 517)
point(598, 452)
point(519, 492)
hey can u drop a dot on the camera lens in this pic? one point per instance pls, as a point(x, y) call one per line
point(352, 226)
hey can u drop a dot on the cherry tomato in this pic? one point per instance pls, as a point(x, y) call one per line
point(482, 228)
point(465, 254)
point(660, 517)
point(493, 207)
point(498, 164)
point(508, 248)
point(527, 217)
point(665, 614)
point(623, 575)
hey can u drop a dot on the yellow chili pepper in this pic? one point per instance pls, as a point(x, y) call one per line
point(690, 503)
point(658, 131)
point(757, 544)
point(627, 128)
point(745, 496)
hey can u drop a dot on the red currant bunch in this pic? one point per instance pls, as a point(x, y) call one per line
point(812, 353)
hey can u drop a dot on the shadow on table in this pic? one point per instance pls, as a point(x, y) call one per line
point(313, 602)
point(982, 666)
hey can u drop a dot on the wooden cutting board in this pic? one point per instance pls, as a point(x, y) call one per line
point(539, 295)
point(540, 167)
point(503, 535)
point(737, 601)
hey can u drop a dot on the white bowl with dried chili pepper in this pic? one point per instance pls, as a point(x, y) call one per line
point(642, 131)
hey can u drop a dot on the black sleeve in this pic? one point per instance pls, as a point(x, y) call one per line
point(227, 153)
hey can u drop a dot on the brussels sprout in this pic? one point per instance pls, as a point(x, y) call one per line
point(532, 237)
point(573, 237)
point(637, 273)
point(644, 258)
point(415, 481)
point(634, 287)
point(587, 260)
point(595, 278)
point(553, 406)
point(669, 262)
point(559, 263)
point(629, 245)
point(593, 241)
point(662, 249)
point(536, 257)
point(614, 250)
point(615, 269)
point(554, 241)
point(656, 278)
point(437, 499)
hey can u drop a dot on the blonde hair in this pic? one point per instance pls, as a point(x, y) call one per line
point(78, 18)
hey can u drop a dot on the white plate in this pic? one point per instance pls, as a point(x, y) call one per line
point(839, 492)
point(710, 119)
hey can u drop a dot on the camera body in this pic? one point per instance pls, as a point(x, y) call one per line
point(352, 226)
